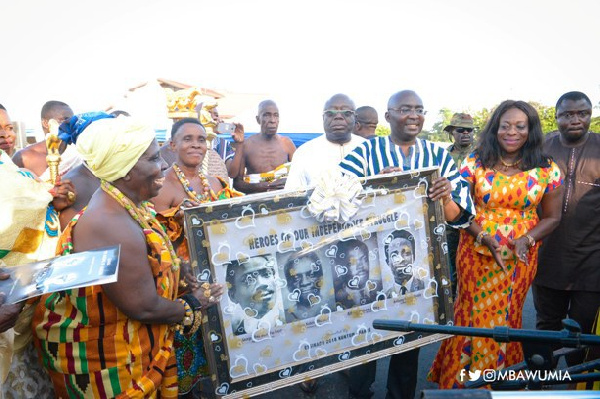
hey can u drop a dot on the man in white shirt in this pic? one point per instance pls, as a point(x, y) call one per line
point(324, 153)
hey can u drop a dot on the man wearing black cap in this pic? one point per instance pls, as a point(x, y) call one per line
point(461, 131)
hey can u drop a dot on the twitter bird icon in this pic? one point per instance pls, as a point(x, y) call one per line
point(474, 375)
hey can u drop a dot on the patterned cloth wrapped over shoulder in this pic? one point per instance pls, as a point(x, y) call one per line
point(91, 349)
point(278, 173)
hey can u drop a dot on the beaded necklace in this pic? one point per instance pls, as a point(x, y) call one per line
point(509, 165)
point(143, 216)
point(205, 197)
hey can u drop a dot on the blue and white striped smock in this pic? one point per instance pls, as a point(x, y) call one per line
point(372, 156)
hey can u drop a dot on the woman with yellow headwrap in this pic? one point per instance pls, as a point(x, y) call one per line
point(117, 339)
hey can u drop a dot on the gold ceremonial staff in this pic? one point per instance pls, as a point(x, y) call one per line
point(52, 148)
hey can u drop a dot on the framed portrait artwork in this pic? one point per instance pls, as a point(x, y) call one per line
point(301, 295)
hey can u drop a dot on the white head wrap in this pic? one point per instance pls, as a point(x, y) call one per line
point(111, 147)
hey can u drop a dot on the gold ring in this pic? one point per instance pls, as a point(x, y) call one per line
point(183, 283)
point(207, 294)
point(71, 196)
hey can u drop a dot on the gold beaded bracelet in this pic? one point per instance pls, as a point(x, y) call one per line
point(196, 307)
point(197, 321)
point(188, 318)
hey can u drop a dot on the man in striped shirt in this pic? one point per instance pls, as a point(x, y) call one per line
point(403, 151)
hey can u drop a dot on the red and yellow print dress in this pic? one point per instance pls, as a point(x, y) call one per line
point(487, 296)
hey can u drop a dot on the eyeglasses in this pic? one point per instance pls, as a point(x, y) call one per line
point(409, 111)
point(571, 114)
point(331, 113)
point(463, 130)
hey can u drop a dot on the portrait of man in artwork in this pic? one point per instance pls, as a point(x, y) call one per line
point(353, 281)
point(307, 287)
point(252, 286)
point(399, 250)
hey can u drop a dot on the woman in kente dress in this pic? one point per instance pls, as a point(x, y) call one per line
point(497, 256)
point(185, 184)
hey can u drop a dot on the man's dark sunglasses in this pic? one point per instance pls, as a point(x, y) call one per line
point(463, 130)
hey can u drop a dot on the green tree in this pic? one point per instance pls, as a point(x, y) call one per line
point(382, 131)
point(444, 117)
point(547, 116)
point(480, 118)
point(595, 125)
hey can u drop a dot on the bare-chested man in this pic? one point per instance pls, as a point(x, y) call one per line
point(184, 180)
point(33, 157)
point(262, 154)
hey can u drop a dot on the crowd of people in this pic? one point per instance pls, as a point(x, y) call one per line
point(520, 209)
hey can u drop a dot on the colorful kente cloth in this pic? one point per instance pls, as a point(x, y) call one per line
point(487, 296)
point(191, 360)
point(91, 349)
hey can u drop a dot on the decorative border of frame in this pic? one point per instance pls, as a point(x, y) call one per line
point(198, 222)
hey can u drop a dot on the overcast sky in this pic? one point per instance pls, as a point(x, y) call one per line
point(463, 55)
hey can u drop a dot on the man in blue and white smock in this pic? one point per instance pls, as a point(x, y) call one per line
point(403, 151)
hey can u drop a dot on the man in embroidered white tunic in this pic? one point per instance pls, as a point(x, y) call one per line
point(316, 157)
